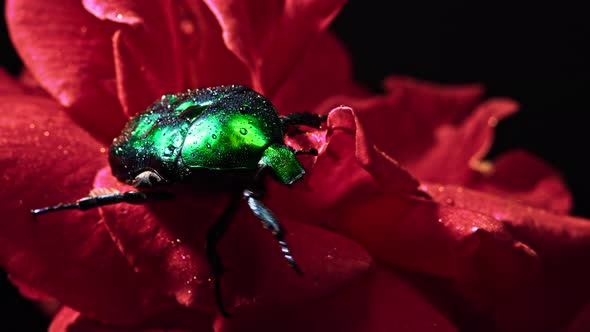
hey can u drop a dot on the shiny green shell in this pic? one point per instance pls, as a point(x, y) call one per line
point(218, 129)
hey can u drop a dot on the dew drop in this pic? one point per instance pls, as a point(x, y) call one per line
point(119, 16)
point(214, 136)
point(208, 145)
point(450, 201)
point(103, 150)
point(46, 133)
point(169, 150)
point(32, 126)
point(243, 131)
point(187, 27)
point(493, 121)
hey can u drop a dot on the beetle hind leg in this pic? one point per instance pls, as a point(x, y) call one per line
point(269, 221)
point(214, 235)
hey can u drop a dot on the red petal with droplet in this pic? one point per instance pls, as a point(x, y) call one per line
point(562, 243)
point(146, 50)
point(341, 175)
point(165, 242)
point(404, 120)
point(257, 34)
point(474, 251)
point(46, 159)
point(70, 53)
point(207, 60)
point(382, 301)
point(523, 177)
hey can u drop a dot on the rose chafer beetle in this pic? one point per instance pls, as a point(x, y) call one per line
point(226, 137)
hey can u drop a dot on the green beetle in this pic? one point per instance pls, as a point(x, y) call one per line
point(221, 138)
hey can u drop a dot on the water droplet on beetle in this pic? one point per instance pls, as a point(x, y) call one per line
point(169, 150)
point(243, 131)
point(214, 136)
point(208, 145)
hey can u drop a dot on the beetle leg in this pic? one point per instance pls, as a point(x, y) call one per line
point(89, 202)
point(214, 234)
point(312, 151)
point(269, 221)
point(304, 118)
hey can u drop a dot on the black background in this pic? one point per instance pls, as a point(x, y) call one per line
point(533, 54)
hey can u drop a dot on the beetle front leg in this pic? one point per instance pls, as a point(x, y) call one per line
point(305, 118)
point(89, 202)
point(269, 221)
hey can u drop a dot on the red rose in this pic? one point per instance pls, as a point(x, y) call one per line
point(435, 239)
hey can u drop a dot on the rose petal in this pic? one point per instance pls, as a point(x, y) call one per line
point(494, 272)
point(8, 85)
point(339, 176)
point(28, 291)
point(31, 85)
point(146, 50)
point(523, 177)
point(582, 321)
point(382, 301)
point(444, 162)
point(166, 243)
point(422, 236)
point(324, 70)
point(47, 159)
point(70, 320)
point(402, 122)
point(69, 52)
point(257, 34)
point(562, 243)
point(207, 61)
